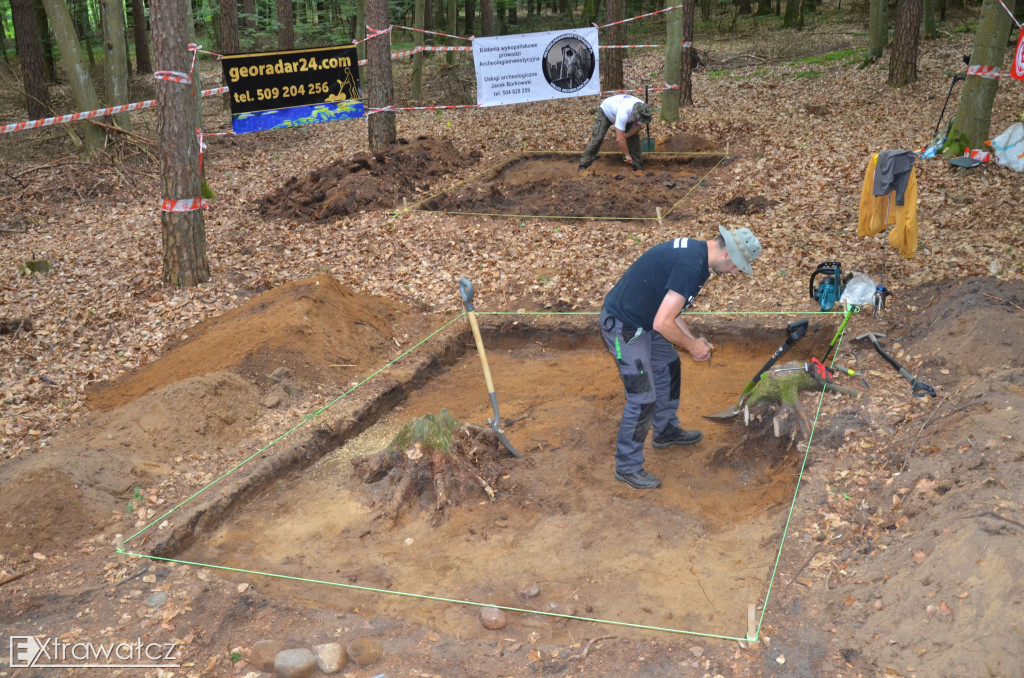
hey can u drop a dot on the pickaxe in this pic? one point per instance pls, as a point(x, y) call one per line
point(918, 388)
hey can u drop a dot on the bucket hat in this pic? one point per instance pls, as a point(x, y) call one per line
point(742, 246)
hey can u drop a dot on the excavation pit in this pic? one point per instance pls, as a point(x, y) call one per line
point(547, 184)
point(690, 557)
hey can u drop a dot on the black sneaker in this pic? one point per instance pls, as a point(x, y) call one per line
point(638, 480)
point(676, 436)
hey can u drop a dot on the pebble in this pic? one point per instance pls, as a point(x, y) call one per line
point(271, 401)
point(529, 590)
point(365, 651)
point(263, 653)
point(493, 618)
point(330, 657)
point(157, 599)
point(297, 663)
point(560, 608)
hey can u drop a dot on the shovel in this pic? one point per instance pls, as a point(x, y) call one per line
point(647, 145)
point(466, 292)
point(793, 333)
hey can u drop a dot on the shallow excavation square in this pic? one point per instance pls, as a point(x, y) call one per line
point(561, 535)
point(547, 184)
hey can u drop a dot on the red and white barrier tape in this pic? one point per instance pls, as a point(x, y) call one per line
point(188, 205)
point(420, 30)
point(985, 71)
point(85, 115)
point(173, 76)
point(428, 48)
point(642, 16)
point(641, 89)
point(1010, 13)
point(193, 47)
point(626, 46)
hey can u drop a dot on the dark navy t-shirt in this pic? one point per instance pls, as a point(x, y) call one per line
point(680, 265)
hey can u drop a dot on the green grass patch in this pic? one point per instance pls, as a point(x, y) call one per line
point(842, 55)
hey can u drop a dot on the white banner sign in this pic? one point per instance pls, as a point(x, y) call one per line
point(513, 69)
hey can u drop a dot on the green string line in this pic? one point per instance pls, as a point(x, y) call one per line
point(305, 420)
point(423, 596)
point(308, 418)
point(464, 181)
point(694, 187)
point(792, 505)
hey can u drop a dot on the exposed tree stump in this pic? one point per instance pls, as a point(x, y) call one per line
point(776, 399)
point(436, 461)
point(775, 418)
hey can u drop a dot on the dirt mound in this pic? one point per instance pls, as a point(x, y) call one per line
point(183, 416)
point(318, 329)
point(367, 180)
point(953, 323)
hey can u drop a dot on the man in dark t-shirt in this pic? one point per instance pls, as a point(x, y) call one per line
point(641, 326)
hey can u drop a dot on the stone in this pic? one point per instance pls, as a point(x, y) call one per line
point(330, 657)
point(529, 590)
point(263, 653)
point(157, 599)
point(365, 651)
point(296, 663)
point(493, 618)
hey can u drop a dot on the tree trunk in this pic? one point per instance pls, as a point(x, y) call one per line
point(791, 19)
point(30, 51)
point(487, 18)
point(903, 60)
point(974, 114)
point(686, 57)
point(470, 22)
point(84, 28)
point(43, 30)
point(673, 62)
point(115, 60)
point(184, 235)
point(453, 27)
point(229, 27)
point(3, 37)
point(248, 22)
point(745, 8)
point(82, 88)
point(379, 88)
point(285, 25)
point(705, 9)
point(361, 27)
point(878, 30)
point(611, 60)
point(930, 30)
point(143, 64)
point(417, 59)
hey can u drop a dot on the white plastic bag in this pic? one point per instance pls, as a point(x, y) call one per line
point(860, 291)
point(1009, 147)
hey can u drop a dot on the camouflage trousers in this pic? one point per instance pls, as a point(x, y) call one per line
point(601, 126)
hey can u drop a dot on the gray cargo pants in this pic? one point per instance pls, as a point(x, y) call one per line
point(651, 373)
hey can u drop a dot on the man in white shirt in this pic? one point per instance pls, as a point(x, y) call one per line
point(628, 115)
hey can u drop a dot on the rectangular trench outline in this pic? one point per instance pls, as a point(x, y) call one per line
point(753, 634)
point(525, 152)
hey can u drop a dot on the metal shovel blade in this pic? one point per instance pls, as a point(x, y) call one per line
point(724, 414)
